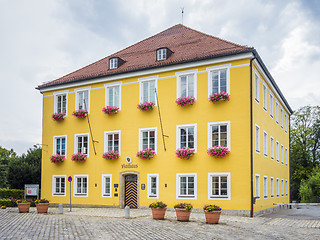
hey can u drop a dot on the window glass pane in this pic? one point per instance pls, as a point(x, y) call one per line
point(117, 96)
point(223, 81)
point(183, 86)
point(190, 86)
point(85, 145)
point(64, 103)
point(59, 104)
point(215, 185)
point(215, 82)
point(79, 144)
point(152, 92)
point(145, 95)
point(183, 137)
point(58, 146)
point(80, 99)
point(63, 146)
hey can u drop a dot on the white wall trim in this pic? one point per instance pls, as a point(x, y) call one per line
point(75, 185)
point(104, 176)
point(148, 79)
point(76, 90)
point(186, 73)
point(155, 137)
point(76, 142)
point(178, 127)
point(149, 175)
point(217, 68)
point(228, 123)
point(106, 140)
point(108, 85)
point(53, 185)
point(54, 148)
point(223, 174)
point(178, 175)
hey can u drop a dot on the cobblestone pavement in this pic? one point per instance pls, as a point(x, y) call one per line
point(109, 223)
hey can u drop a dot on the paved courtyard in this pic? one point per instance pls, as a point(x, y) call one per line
point(109, 223)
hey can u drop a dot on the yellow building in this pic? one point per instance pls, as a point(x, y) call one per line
point(178, 65)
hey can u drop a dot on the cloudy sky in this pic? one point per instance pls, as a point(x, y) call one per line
point(44, 40)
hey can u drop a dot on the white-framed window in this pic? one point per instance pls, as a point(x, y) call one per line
point(187, 84)
point(61, 102)
point(286, 156)
point(271, 105)
point(281, 114)
point(256, 87)
point(219, 186)
point(112, 141)
point(257, 138)
point(107, 185)
point(83, 98)
point(219, 134)
point(113, 63)
point(148, 87)
point(277, 151)
point(161, 54)
point(282, 188)
point(60, 145)
point(113, 95)
point(81, 143)
point(257, 186)
point(265, 187)
point(80, 185)
point(59, 185)
point(186, 186)
point(153, 185)
point(148, 138)
point(187, 136)
point(286, 187)
point(265, 97)
point(219, 79)
point(277, 112)
point(272, 147)
point(282, 154)
point(271, 187)
point(285, 122)
point(265, 143)
point(277, 187)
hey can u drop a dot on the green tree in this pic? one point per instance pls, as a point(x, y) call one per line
point(304, 145)
point(5, 157)
point(310, 188)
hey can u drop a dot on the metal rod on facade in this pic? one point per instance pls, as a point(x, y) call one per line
point(90, 128)
point(164, 144)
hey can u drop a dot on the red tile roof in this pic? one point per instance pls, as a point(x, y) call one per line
point(186, 44)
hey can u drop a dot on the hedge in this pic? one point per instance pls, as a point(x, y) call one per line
point(13, 193)
point(7, 202)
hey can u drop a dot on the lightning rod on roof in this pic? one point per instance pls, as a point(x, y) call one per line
point(182, 14)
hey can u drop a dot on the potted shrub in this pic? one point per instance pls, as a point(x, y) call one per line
point(217, 97)
point(146, 153)
point(23, 205)
point(58, 116)
point(212, 213)
point(218, 151)
point(79, 157)
point(185, 153)
point(57, 158)
point(111, 155)
point(81, 113)
point(110, 110)
point(158, 210)
point(183, 211)
point(145, 106)
point(42, 205)
point(182, 101)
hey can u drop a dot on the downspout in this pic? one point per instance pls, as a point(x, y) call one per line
point(251, 138)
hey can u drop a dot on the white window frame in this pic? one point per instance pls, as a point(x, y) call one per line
point(56, 95)
point(141, 130)
point(76, 142)
point(265, 94)
point(54, 193)
point(265, 187)
point(106, 140)
point(282, 187)
point(257, 87)
point(286, 156)
point(104, 194)
point(148, 79)
point(271, 187)
point(178, 138)
point(271, 105)
point(161, 54)
point(210, 71)
point(112, 85)
point(257, 138)
point(285, 122)
point(277, 112)
point(278, 151)
point(113, 63)
point(281, 115)
point(286, 186)
point(210, 124)
point(278, 187)
point(219, 174)
point(186, 73)
point(272, 147)
point(257, 186)
point(282, 154)
point(55, 144)
point(178, 195)
point(265, 143)
point(75, 194)
point(150, 195)
point(78, 90)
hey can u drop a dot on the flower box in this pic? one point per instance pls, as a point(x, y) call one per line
point(185, 153)
point(212, 213)
point(79, 157)
point(111, 154)
point(146, 153)
point(57, 158)
point(110, 110)
point(145, 106)
point(81, 113)
point(182, 101)
point(221, 96)
point(58, 116)
point(218, 151)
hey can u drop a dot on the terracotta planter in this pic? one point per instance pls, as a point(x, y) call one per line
point(183, 215)
point(158, 213)
point(212, 217)
point(23, 207)
point(42, 207)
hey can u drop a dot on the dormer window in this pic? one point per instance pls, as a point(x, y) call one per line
point(113, 63)
point(161, 54)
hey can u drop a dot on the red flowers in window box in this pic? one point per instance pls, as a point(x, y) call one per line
point(146, 153)
point(111, 154)
point(110, 110)
point(57, 158)
point(80, 157)
point(218, 151)
point(182, 101)
point(58, 116)
point(221, 96)
point(145, 106)
point(185, 152)
point(81, 113)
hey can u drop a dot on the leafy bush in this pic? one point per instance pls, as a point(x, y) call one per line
point(13, 193)
point(7, 202)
